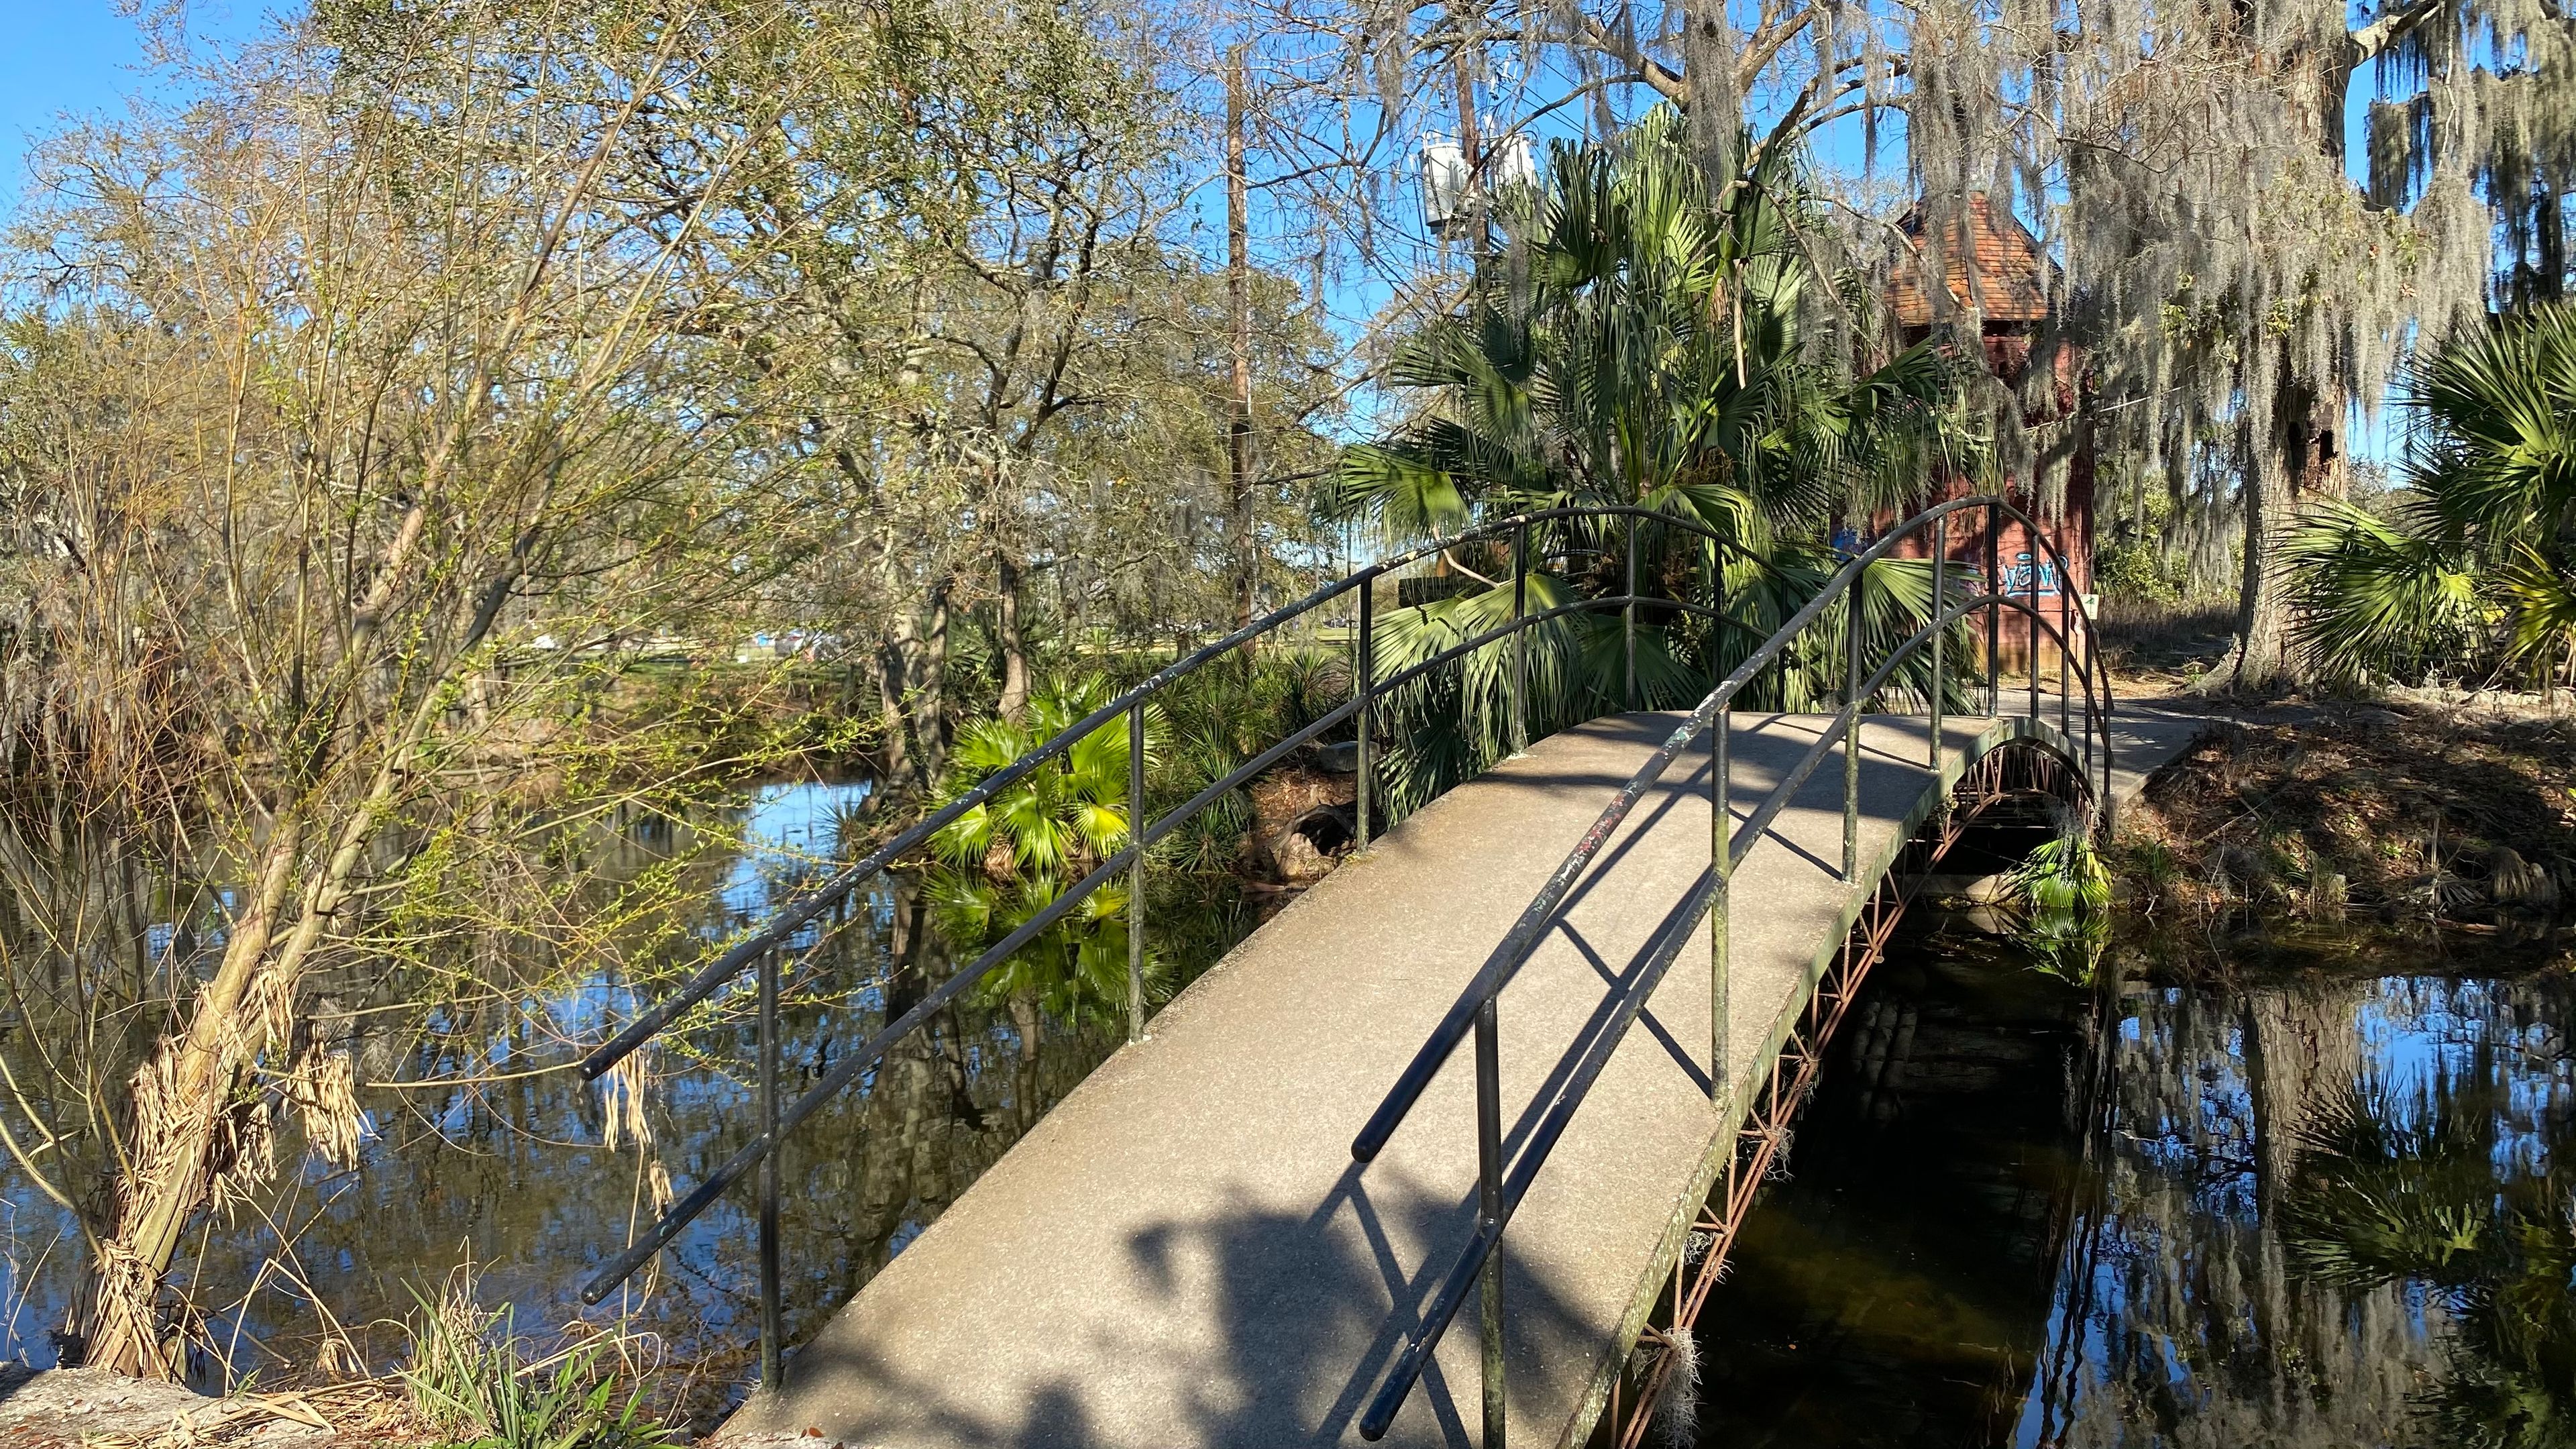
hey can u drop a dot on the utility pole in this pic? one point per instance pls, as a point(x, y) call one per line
point(1468, 140)
point(1462, 63)
point(1488, 1143)
point(1238, 287)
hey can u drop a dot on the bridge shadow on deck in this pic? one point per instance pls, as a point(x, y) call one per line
point(1282, 1284)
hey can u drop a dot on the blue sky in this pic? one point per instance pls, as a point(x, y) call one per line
point(81, 58)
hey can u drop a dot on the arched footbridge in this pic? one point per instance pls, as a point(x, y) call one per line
point(1517, 1066)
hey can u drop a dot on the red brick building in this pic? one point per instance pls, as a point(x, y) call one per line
point(2005, 289)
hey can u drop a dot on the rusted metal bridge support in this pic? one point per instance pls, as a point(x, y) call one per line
point(1760, 1140)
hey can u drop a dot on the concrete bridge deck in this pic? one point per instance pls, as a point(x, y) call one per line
point(1184, 1253)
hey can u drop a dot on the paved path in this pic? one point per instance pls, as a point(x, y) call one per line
point(1183, 1253)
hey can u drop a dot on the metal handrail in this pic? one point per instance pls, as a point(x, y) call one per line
point(759, 949)
point(797, 913)
point(1498, 1194)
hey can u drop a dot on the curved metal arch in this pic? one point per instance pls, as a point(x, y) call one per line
point(760, 947)
point(2096, 707)
point(1499, 1189)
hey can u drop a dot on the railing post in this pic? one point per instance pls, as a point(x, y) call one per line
point(2033, 531)
point(1136, 872)
point(1520, 640)
point(1628, 623)
point(1851, 728)
point(773, 1368)
point(1994, 617)
point(1713, 588)
point(2102, 725)
point(2065, 637)
point(1489, 1211)
point(1366, 712)
point(1721, 852)
point(1940, 600)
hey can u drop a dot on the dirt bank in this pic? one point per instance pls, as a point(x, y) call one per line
point(2404, 810)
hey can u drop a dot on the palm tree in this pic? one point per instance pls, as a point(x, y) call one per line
point(2472, 572)
point(1648, 340)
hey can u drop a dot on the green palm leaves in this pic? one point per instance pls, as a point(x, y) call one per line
point(2380, 600)
point(998, 865)
point(1009, 858)
point(1647, 344)
point(1074, 971)
point(2065, 893)
point(1647, 341)
point(1068, 812)
point(2474, 571)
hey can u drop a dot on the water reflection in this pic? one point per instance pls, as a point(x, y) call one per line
point(511, 1173)
point(2321, 1206)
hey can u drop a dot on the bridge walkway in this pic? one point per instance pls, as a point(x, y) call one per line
point(1184, 1253)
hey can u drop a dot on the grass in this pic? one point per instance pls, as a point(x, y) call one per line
point(479, 1385)
point(2149, 638)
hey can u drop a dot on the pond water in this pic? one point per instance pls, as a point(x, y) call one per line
point(511, 1174)
point(2320, 1198)
point(2322, 1201)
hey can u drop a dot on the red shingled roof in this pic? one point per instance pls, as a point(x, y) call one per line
point(2008, 288)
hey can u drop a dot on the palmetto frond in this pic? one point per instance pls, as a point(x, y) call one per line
point(2376, 601)
point(2480, 565)
point(1069, 811)
point(2504, 401)
point(1643, 345)
point(2388, 1191)
point(2540, 603)
point(2416, 1190)
point(1074, 971)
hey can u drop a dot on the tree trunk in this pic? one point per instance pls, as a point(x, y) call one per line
point(2549, 274)
point(2307, 462)
point(2262, 659)
point(191, 1127)
point(929, 694)
point(2314, 444)
point(1014, 702)
point(893, 679)
point(1032, 1027)
point(2302, 1050)
point(180, 1097)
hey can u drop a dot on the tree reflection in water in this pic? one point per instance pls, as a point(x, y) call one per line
point(511, 1172)
point(2325, 1205)
point(2441, 1187)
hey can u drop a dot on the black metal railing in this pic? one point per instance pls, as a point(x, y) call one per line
point(1501, 1185)
point(759, 951)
